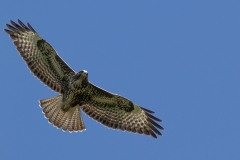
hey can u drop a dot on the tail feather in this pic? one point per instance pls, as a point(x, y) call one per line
point(59, 118)
point(70, 120)
point(66, 122)
point(62, 120)
point(79, 123)
point(50, 105)
point(76, 123)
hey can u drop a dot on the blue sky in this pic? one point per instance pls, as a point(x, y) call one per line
point(177, 58)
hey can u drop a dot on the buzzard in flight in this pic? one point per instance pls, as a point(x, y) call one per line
point(75, 90)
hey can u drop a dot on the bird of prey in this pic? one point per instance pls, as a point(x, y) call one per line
point(75, 90)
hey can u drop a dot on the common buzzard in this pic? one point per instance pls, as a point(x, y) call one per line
point(75, 90)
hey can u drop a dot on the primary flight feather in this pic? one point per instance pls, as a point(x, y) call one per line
point(75, 90)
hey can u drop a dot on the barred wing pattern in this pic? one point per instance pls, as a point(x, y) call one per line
point(40, 57)
point(111, 110)
point(117, 112)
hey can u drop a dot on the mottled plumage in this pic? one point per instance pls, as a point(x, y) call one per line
point(76, 92)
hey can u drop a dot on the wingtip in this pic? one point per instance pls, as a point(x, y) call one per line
point(147, 110)
point(31, 28)
point(12, 22)
point(19, 21)
point(7, 31)
point(153, 135)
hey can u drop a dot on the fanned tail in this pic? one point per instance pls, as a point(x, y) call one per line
point(70, 120)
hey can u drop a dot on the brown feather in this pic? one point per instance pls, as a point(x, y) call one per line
point(51, 68)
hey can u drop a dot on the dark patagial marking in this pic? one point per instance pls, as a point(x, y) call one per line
point(111, 110)
point(125, 104)
point(45, 47)
point(129, 108)
point(66, 69)
point(99, 92)
point(51, 66)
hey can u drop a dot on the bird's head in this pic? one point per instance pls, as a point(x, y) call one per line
point(81, 76)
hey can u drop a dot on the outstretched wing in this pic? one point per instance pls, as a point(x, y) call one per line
point(40, 57)
point(120, 113)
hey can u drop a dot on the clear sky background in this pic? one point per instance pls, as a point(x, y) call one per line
point(180, 59)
